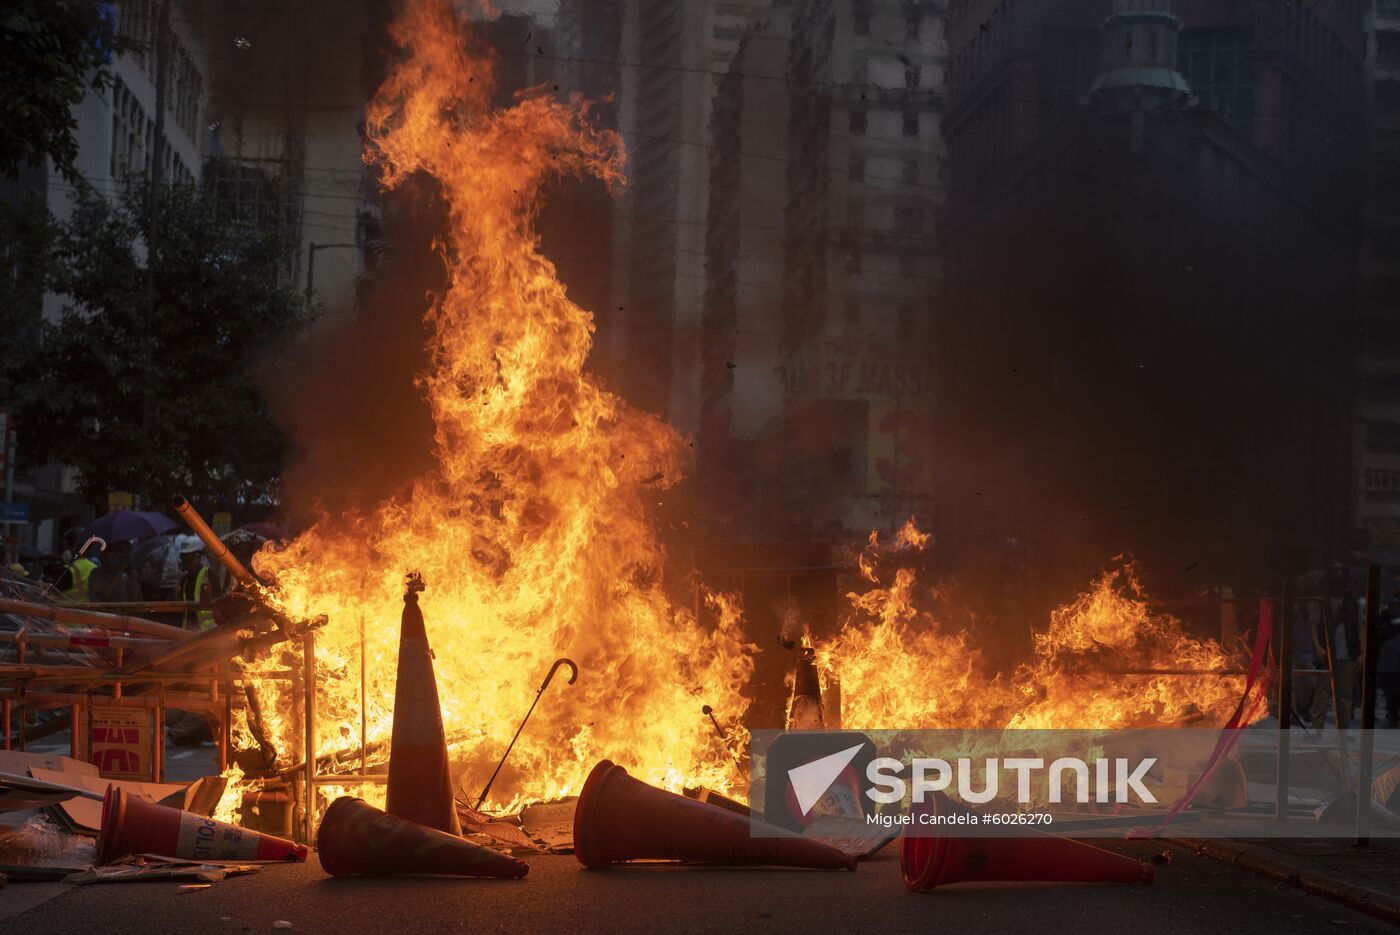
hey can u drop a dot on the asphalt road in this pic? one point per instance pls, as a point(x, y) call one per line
point(1192, 894)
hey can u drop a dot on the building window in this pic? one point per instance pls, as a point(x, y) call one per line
point(860, 16)
point(911, 123)
point(857, 169)
point(1218, 64)
point(852, 312)
point(909, 219)
point(911, 78)
point(1072, 62)
point(909, 172)
point(857, 120)
point(853, 259)
point(911, 27)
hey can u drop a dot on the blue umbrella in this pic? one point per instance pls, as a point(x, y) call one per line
point(130, 524)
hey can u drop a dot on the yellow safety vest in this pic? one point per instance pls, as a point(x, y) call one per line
point(80, 570)
point(204, 619)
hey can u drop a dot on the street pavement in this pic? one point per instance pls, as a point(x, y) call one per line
point(1191, 894)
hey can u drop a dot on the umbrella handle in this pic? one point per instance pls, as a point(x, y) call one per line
point(91, 540)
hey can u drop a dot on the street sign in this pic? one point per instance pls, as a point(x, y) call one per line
point(118, 500)
point(121, 743)
point(14, 512)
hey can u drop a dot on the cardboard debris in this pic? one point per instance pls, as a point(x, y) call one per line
point(551, 824)
point(13, 761)
point(502, 832)
point(22, 793)
point(146, 867)
point(85, 815)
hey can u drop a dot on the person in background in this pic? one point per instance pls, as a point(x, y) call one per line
point(1309, 650)
point(113, 581)
point(194, 583)
point(1343, 616)
point(74, 580)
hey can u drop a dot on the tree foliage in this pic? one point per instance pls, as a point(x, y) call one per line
point(51, 53)
point(160, 396)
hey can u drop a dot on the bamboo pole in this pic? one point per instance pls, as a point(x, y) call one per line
point(212, 543)
point(61, 614)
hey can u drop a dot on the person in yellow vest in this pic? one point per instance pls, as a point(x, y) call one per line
point(194, 583)
point(73, 583)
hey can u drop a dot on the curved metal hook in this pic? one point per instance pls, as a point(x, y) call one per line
point(564, 661)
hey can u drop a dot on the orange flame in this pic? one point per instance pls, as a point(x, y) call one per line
point(532, 531)
point(1091, 668)
point(533, 536)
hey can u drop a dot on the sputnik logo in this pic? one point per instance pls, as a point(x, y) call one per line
point(811, 780)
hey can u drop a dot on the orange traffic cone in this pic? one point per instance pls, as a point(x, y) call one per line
point(420, 787)
point(357, 838)
point(133, 825)
point(927, 862)
point(619, 818)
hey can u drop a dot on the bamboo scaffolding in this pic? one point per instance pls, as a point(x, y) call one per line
point(61, 614)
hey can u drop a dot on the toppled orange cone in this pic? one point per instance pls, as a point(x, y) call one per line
point(927, 862)
point(356, 838)
point(133, 825)
point(420, 786)
point(620, 818)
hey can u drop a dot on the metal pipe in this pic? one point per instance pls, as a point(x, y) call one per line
point(309, 651)
point(212, 544)
point(1370, 656)
point(81, 641)
point(1223, 673)
point(1285, 702)
point(1327, 644)
point(158, 738)
point(179, 700)
point(59, 613)
point(144, 607)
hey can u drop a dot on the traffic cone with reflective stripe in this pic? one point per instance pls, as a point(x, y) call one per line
point(133, 825)
point(420, 787)
point(619, 818)
point(936, 860)
point(355, 838)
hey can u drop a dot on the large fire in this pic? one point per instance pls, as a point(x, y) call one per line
point(533, 536)
point(532, 532)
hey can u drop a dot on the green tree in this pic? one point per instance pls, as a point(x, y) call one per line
point(160, 397)
point(51, 53)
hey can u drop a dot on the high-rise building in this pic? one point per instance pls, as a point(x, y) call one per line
point(1151, 241)
point(864, 190)
point(1378, 436)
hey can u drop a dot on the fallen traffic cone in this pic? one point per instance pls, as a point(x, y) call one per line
point(420, 787)
point(356, 838)
point(927, 862)
point(133, 825)
point(620, 818)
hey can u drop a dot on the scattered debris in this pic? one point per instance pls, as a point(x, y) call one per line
point(146, 867)
point(281, 924)
point(192, 887)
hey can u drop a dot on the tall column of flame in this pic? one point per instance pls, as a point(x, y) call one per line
point(532, 532)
